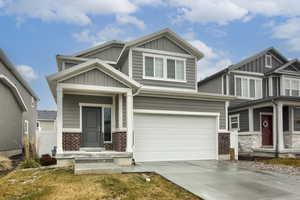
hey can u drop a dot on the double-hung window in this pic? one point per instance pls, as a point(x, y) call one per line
point(164, 68)
point(234, 122)
point(248, 87)
point(268, 61)
point(26, 127)
point(291, 87)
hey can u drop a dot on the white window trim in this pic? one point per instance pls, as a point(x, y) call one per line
point(26, 127)
point(266, 59)
point(248, 79)
point(284, 85)
point(164, 68)
point(102, 113)
point(238, 122)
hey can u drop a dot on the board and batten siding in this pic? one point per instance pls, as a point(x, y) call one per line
point(109, 54)
point(159, 103)
point(137, 73)
point(164, 44)
point(212, 86)
point(71, 108)
point(10, 120)
point(95, 77)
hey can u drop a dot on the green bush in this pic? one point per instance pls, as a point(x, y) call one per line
point(29, 163)
point(5, 163)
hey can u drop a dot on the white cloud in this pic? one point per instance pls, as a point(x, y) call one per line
point(289, 31)
point(110, 32)
point(27, 72)
point(69, 11)
point(127, 19)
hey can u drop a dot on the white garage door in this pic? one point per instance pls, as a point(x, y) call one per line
point(159, 137)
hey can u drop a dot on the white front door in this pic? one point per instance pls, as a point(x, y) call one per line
point(159, 137)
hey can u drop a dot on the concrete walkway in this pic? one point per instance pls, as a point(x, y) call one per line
point(213, 180)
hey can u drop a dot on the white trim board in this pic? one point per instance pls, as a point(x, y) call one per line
point(169, 112)
point(164, 53)
point(93, 88)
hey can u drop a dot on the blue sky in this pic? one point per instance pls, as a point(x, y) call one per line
point(34, 31)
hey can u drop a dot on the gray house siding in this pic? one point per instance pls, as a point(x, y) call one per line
point(71, 63)
point(124, 112)
point(212, 86)
point(164, 44)
point(125, 67)
point(71, 109)
point(109, 54)
point(10, 120)
point(137, 73)
point(95, 77)
point(31, 114)
point(157, 103)
point(243, 119)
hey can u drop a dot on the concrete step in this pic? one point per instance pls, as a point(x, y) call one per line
point(97, 168)
point(92, 149)
point(93, 160)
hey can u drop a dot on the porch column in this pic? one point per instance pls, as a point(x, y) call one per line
point(280, 127)
point(251, 129)
point(120, 110)
point(59, 122)
point(129, 102)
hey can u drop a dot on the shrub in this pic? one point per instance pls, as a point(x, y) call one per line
point(29, 163)
point(47, 160)
point(5, 163)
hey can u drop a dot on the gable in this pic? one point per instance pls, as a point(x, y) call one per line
point(95, 77)
point(109, 54)
point(165, 44)
point(293, 67)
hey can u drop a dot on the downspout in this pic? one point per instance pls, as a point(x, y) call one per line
point(277, 135)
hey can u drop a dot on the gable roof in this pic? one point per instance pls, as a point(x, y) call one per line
point(278, 69)
point(91, 64)
point(46, 115)
point(12, 69)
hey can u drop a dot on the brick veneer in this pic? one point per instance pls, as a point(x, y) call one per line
point(71, 141)
point(224, 143)
point(119, 141)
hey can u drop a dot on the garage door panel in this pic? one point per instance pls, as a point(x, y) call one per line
point(173, 137)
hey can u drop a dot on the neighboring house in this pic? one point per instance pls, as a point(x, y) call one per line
point(18, 105)
point(46, 120)
point(140, 98)
point(266, 113)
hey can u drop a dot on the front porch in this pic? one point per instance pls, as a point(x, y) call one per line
point(273, 129)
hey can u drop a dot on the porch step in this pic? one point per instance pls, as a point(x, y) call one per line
point(97, 168)
point(92, 149)
point(93, 160)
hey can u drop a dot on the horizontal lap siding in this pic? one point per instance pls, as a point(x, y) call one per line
point(212, 86)
point(110, 54)
point(71, 109)
point(137, 73)
point(156, 103)
point(95, 77)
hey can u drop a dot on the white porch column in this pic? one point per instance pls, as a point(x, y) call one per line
point(59, 122)
point(250, 113)
point(120, 110)
point(280, 127)
point(129, 103)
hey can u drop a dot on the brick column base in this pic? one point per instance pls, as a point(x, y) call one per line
point(224, 143)
point(119, 141)
point(71, 141)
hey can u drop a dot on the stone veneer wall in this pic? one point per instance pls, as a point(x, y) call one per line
point(247, 142)
point(224, 143)
point(296, 141)
point(119, 141)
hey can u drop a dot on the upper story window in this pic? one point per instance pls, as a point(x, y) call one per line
point(164, 68)
point(32, 102)
point(26, 127)
point(248, 87)
point(268, 61)
point(291, 87)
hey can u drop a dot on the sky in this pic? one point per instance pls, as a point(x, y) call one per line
point(33, 32)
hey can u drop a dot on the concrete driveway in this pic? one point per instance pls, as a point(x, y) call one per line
point(213, 180)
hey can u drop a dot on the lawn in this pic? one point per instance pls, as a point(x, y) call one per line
point(283, 161)
point(62, 184)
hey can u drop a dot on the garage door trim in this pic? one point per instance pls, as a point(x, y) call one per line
point(171, 112)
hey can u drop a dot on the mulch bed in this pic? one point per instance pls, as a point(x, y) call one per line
point(16, 160)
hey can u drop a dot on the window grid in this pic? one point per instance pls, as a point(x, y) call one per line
point(248, 87)
point(291, 87)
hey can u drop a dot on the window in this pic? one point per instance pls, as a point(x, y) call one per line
point(164, 68)
point(248, 87)
point(291, 87)
point(268, 61)
point(26, 127)
point(234, 122)
point(32, 102)
point(107, 124)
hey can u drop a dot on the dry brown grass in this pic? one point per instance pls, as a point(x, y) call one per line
point(283, 161)
point(62, 184)
point(5, 163)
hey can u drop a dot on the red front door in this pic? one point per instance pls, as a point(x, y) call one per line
point(267, 129)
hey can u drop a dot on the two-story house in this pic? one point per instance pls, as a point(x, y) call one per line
point(266, 113)
point(138, 99)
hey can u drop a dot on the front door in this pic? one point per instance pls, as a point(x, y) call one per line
point(267, 130)
point(92, 135)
